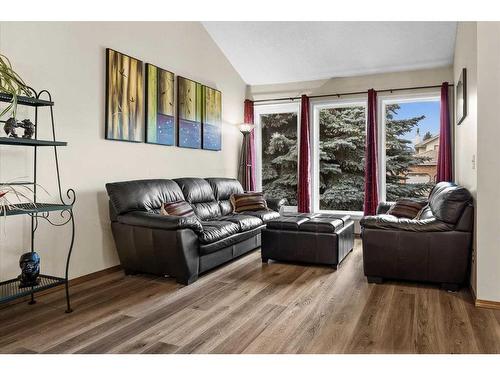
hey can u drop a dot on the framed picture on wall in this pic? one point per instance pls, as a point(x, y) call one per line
point(189, 113)
point(160, 117)
point(461, 97)
point(124, 97)
point(212, 119)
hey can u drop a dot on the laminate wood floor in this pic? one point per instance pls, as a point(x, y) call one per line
point(250, 307)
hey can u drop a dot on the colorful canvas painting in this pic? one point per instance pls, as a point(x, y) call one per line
point(212, 119)
point(160, 120)
point(124, 97)
point(189, 110)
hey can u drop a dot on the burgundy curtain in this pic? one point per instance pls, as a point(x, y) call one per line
point(304, 185)
point(249, 180)
point(371, 188)
point(444, 166)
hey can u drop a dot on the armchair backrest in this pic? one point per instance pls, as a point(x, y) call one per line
point(448, 202)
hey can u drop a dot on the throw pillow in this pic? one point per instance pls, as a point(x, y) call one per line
point(248, 202)
point(407, 208)
point(180, 208)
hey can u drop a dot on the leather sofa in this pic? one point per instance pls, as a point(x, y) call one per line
point(182, 247)
point(435, 248)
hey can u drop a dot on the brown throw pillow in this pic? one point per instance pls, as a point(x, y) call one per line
point(248, 202)
point(407, 208)
point(180, 208)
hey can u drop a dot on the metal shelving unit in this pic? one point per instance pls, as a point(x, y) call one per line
point(9, 289)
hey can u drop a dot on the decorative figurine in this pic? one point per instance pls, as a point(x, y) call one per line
point(30, 269)
point(29, 128)
point(10, 127)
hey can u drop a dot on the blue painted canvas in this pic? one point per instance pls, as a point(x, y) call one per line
point(211, 137)
point(165, 129)
point(189, 134)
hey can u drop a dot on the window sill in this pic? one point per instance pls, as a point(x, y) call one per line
point(355, 215)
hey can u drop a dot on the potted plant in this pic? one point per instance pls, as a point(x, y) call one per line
point(11, 83)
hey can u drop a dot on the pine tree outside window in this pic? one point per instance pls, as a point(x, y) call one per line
point(340, 155)
point(408, 149)
point(277, 150)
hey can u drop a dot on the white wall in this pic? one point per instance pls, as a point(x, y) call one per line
point(69, 60)
point(426, 77)
point(478, 49)
point(488, 171)
point(466, 132)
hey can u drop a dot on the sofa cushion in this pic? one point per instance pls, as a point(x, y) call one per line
point(217, 230)
point(228, 241)
point(181, 208)
point(448, 201)
point(245, 222)
point(199, 194)
point(264, 215)
point(248, 202)
point(142, 195)
point(409, 225)
point(407, 207)
point(223, 188)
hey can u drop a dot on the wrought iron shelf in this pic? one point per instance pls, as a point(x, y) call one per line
point(10, 290)
point(30, 208)
point(29, 142)
point(38, 212)
point(26, 100)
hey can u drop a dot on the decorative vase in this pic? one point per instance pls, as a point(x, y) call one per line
point(30, 269)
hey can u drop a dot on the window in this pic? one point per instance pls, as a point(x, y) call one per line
point(277, 150)
point(411, 127)
point(339, 152)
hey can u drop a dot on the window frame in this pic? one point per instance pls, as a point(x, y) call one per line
point(383, 101)
point(316, 107)
point(266, 109)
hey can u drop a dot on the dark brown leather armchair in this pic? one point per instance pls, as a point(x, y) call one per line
point(435, 248)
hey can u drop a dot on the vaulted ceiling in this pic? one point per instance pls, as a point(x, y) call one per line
point(279, 52)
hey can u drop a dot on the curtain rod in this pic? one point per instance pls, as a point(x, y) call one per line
point(351, 93)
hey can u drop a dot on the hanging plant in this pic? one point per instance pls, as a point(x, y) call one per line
point(11, 83)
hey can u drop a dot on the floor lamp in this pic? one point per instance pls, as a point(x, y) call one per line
point(245, 162)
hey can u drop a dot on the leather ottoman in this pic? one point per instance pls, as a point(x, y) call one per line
point(308, 238)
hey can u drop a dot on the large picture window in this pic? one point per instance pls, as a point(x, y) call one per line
point(277, 130)
point(411, 127)
point(340, 133)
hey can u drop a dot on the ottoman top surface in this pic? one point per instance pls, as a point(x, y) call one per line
point(318, 223)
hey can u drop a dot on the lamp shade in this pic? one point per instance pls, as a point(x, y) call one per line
point(246, 128)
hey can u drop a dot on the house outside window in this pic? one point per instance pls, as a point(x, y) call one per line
point(409, 146)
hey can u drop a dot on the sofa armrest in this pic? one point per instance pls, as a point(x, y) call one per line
point(276, 203)
point(410, 225)
point(383, 207)
point(157, 221)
